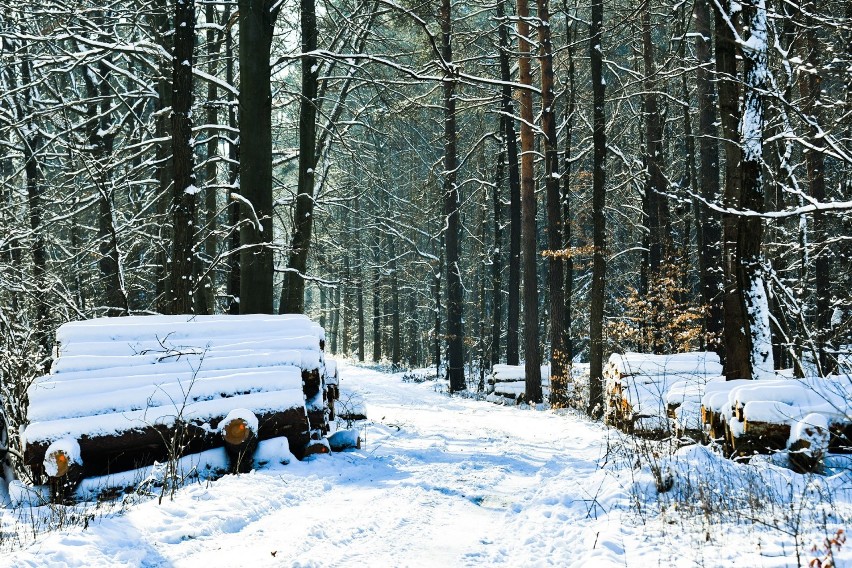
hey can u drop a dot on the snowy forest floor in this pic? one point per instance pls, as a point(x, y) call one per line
point(456, 481)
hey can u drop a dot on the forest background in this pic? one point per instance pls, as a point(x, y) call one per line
point(456, 184)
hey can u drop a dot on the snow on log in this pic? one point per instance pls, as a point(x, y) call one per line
point(773, 415)
point(509, 381)
point(134, 390)
point(644, 391)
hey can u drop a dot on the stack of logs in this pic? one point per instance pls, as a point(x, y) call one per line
point(656, 394)
point(807, 417)
point(124, 393)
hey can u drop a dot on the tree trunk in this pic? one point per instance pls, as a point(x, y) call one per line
point(737, 364)
point(32, 142)
point(293, 288)
point(233, 307)
point(377, 304)
point(596, 315)
point(359, 293)
point(455, 333)
point(257, 24)
point(207, 291)
point(510, 141)
point(709, 254)
point(750, 230)
point(810, 85)
point(556, 273)
point(165, 173)
point(497, 258)
point(532, 361)
point(570, 110)
point(184, 189)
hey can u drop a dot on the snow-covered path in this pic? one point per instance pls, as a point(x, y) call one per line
point(440, 481)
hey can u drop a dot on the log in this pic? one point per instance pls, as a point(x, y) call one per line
point(132, 449)
point(761, 438)
point(239, 431)
point(311, 383)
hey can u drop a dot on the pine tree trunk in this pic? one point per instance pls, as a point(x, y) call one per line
point(257, 24)
point(497, 259)
point(184, 189)
point(532, 361)
point(810, 85)
point(570, 110)
point(455, 333)
point(596, 314)
point(507, 131)
point(163, 155)
point(32, 143)
point(293, 288)
point(710, 234)
point(208, 285)
point(737, 364)
point(233, 307)
point(556, 272)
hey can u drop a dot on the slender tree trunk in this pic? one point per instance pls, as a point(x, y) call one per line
point(293, 288)
point(207, 291)
point(32, 143)
point(532, 361)
point(436, 292)
point(556, 272)
point(233, 307)
point(709, 253)
point(359, 291)
point(497, 258)
point(570, 110)
point(455, 333)
point(257, 24)
point(660, 246)
point(510, 140)
point(596, 314)
point(810, 85)
point(377, 304)
point(346, 304)
point(184, 189)
point(165, 173)
point(737, 364)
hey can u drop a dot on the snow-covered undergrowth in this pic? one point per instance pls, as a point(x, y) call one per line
point(456, 481)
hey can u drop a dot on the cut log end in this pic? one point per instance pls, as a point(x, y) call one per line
point(236, 432)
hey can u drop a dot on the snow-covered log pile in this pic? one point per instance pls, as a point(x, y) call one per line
point(650, 394)
point(509, 382)
point(124, 392)
point(809, 417)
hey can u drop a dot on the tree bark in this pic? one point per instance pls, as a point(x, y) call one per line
point(455, 333)
point(532, 361)
point(293, 288)
point(570, 110)
point(497, 258)
point(556, 272)
point(510, 141)
point(233, 306)
point(257, 24)
point(750, 230)
point(596, 315)
point(184, 190)
point(709, 253)
point(737, 364)
point(810, 85)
